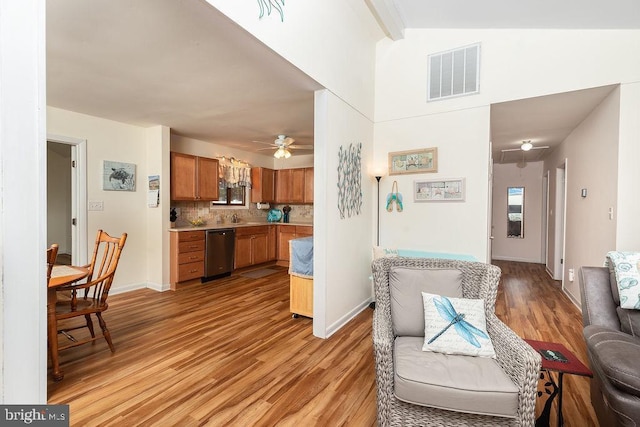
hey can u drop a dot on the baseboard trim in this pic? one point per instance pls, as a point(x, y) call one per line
point(127, 288)
point(337, 325)
point(506, 258)
point(135, 286)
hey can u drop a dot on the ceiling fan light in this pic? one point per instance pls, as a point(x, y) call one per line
point(287, 154)
point(280, 153)
point(526, 146)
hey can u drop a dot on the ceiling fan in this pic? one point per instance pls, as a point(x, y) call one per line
point(282, 145)
point(524, 147)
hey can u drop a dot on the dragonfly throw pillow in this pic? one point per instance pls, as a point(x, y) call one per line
point(456, 326)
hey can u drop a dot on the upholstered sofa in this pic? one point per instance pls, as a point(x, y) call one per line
point(612, 335)
point(424, 388)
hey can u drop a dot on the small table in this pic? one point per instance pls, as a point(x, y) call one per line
point(571, 366)
point(61, 275)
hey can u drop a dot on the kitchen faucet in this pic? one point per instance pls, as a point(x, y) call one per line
point(234, 218)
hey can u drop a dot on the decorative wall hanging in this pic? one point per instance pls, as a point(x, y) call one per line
point(439, 190)
point(349, 180)
point(118, 176)
point(394, 198)
point(413, 161)
point(268, 5)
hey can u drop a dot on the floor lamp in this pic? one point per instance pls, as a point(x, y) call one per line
point(378, 212)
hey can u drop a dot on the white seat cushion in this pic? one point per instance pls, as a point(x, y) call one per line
point(468, 384)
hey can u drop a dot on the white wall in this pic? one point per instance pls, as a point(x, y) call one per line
point(591, 151)
point(342, 246)
point(124, 211)
point(628, 202)
point(23, 229)
point(528, 249)
point(515, 64)
point(462, 139)
point(333, 41)
point(157, 219)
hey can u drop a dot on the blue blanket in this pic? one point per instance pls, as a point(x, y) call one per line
point(301, 260)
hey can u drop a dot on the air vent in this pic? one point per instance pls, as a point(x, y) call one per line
point(454, 73)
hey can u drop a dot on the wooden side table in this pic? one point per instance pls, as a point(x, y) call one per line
point(571, 366)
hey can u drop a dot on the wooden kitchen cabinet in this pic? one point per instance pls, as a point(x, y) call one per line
point(272, 244)
point(186, 250)
point(263, 188)
point(287, 233)
point(290, 185)
point(308, 185)
point(251, 246)
point(193, 178)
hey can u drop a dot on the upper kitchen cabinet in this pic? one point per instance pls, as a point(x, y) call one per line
point(263, 188)
point(193, 178)
point(291, 185)
point(308, 185)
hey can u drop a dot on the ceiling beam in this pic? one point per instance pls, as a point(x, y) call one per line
point(388, 17)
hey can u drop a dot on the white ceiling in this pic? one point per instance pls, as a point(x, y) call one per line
point(177, 63)
point(563, 14)
point(182, 64)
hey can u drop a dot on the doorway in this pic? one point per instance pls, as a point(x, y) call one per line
point(66, 198)
point(561, 179)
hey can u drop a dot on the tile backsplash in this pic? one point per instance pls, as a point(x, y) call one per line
point(193, 210)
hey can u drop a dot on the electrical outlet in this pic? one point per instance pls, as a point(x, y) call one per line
point(96, 206)
point(571, 274)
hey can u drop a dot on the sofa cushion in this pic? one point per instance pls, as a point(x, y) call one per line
point(468, 337)
point(629, 321)
point(627, 277)
point(406, 285)
point(616, 356)
point(468, 384)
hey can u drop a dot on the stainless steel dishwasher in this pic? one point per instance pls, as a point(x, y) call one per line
point(219, 253)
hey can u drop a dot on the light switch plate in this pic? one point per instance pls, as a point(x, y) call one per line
point(96, 206)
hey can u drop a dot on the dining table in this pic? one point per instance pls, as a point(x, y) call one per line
point(61, 275)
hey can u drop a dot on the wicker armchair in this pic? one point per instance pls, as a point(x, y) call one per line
point(516, 358)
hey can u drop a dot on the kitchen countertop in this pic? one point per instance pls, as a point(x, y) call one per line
point(237, 225)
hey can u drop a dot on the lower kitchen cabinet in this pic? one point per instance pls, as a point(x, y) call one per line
point(186, 256)
point(251, 246)
point(287, 233)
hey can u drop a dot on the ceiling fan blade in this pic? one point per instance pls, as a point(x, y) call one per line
point(506, 150)
point(301, 147)
point(268, 148)
point(264, 143)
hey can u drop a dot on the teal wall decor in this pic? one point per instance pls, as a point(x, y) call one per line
point(350, 180)
point(268, 5)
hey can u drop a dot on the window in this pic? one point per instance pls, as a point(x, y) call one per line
point(230, 195)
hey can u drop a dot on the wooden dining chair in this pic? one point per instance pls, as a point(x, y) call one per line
point(52, 254)
point(93, 298)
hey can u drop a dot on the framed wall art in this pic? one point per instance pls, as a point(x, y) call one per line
point(118, 176)
point(413, 161)
point(439, 190)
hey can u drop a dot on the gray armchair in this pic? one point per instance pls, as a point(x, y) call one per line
point(416, 388)
point(612, 335)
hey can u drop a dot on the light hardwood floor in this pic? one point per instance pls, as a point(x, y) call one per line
point(228, 353)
